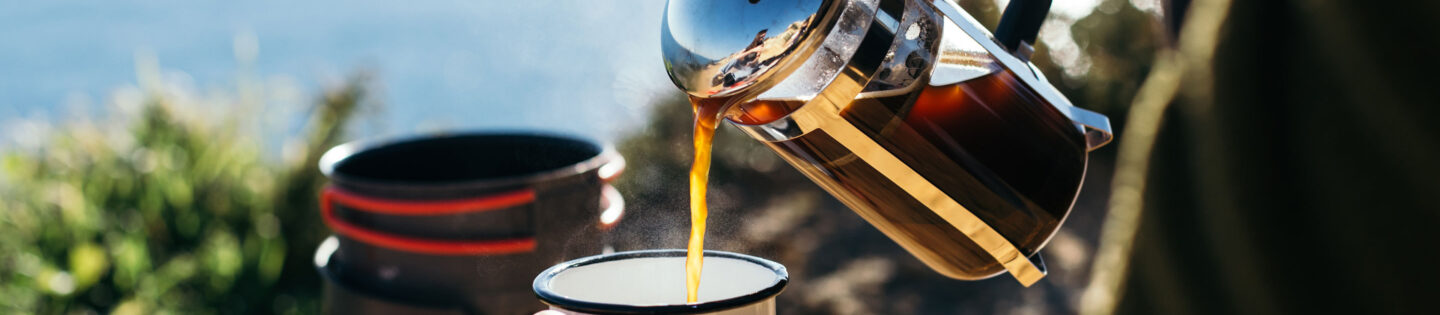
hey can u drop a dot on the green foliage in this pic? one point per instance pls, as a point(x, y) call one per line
point(165, 214)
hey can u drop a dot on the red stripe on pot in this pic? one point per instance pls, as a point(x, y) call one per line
point(419, 245)
point(489, 202)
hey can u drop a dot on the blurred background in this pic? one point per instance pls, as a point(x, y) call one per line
point(159, 156)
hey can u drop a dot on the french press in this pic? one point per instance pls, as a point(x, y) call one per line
point(941, 135)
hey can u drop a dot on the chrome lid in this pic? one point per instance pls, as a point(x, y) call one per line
point(720, 47)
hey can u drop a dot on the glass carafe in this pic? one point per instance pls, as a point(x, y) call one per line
point(937, 132)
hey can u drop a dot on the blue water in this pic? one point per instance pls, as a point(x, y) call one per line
point(585, 67)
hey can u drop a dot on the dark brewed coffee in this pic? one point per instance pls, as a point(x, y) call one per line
point(989, 143)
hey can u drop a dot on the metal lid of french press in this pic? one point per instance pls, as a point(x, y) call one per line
point(718, 48)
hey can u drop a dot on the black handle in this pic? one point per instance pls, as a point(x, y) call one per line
point(1020, 22)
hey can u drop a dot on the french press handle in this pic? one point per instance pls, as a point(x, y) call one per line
point(1021, 22)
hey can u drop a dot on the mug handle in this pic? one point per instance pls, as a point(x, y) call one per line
point(613, 168)
point(612, 206)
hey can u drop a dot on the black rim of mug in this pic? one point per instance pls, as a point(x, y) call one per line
point(548, 295)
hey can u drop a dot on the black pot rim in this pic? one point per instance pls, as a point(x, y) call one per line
point(547, 295)
point(604, 156)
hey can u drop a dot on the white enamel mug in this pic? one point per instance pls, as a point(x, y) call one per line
point(653, 282)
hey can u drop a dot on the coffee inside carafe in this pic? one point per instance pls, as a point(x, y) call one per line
point(988, 143)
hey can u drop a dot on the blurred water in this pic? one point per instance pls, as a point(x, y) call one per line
point(583, 67)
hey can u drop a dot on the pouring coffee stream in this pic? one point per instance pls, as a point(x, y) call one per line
point(707, 114)
point(909, 112)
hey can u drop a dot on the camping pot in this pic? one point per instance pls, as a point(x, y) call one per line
point(462, 222)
